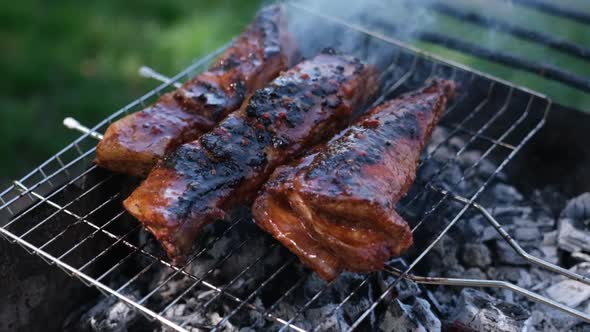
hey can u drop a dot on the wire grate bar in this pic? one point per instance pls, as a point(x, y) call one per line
point(91, 235)
point(223, 288)
point(483, 137)
point(38, 184)
point(464, 176)
point(286, 294)
point(3, 202)
point(112, 245)
point(454, 220)
point(20, 186)
point(135, 277)
point(306, 305)
point(237, 277)
point(349, 296)
point(215, 265)
point(48, 218)
point(93, 282)
point(120, 263)
point(189, 261)
point(262, 285)
point(242, 303)
point(57, 206)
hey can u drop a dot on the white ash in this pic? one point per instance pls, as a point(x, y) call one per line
point(569, 292)
point(574, 235)
point(415, 317)
point(474, 249)
point(578, 208)
point(481, 312)
point(476, 255)
point(107, 315)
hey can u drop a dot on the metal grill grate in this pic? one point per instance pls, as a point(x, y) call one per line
point(69, 213)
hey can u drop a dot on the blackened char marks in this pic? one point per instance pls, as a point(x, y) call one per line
point(134, 143)
point(208, 178)
point(281, 108)
point(406, 121)
point(241, 142)
point(364, 144)
point(212, 99)
point(335, 208)
point(235, 142)
point(227, 166)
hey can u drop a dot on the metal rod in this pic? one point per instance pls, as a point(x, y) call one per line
point(72, 123)
point(144, 71)
point(490, 284)
point(148, 72)
point(105, 250)
point(48, 218)
point(346, 299)
point(215, 265)
point(188, 263)
point(520, 32)
point(517, 248)
point(555, 10)
point(287, 293)
point(498, 283)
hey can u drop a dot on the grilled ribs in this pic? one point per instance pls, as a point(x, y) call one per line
point(335, 207)
point(134, 143)
point(203, 179)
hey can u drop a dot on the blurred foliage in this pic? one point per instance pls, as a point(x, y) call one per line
point(80, 58)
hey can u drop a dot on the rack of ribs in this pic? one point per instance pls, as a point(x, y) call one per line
point(134, 143)
point(204, 179)
point(335, 208)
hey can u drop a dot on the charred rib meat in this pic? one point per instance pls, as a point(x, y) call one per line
point(203, 179)
point(335, 208)
point(134, 143)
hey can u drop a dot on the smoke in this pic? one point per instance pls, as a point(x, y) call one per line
point(404, 20)
point(314, 31)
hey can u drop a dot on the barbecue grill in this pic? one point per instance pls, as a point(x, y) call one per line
point(68, 212)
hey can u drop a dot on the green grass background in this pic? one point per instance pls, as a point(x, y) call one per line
point(80, 58)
